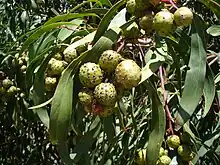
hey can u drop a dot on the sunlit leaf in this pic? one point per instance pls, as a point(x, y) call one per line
point(158, 124)
point(214, 30)
point(103, 25)
point(195, 78)
point(209, 90)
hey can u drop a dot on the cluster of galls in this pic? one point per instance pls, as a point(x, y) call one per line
point(163, 22)
point(103, 81)
point(8, 90)
point(173, 142)
point(59, 62)
point(21, 62)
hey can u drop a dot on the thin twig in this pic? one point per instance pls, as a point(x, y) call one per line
point(213, 61)
point(121, 46)
point(169, 117)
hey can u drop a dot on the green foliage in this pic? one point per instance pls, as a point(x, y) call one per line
point(178, 92)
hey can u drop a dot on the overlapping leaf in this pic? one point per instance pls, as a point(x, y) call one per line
point(195, 78)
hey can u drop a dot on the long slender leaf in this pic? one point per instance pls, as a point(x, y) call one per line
point(103, 25)
point(39, 32)
point(195, 78)
point(68, 16)
point(209, 90)
point(158, 123)
point(61, 108)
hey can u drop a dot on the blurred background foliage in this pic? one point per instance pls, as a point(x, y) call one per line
point(24, 135)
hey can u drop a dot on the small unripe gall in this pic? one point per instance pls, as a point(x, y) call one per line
point(7, 83)
point(183, 16)
point(146, 22)
point(185, 152)
point(173, 141)
point(163, 22)
point(164, 160)
point(86, 97)
point(109, 60)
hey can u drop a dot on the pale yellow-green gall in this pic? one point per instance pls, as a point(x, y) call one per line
point(173, 141)
point(86, 96)
point(109, 60)
point(50, 84)
point(183, 16)
point(6, 83)
point(90, 74)
point(105, 94)
point(164, 160)
point(163, 22)
point(128, 74)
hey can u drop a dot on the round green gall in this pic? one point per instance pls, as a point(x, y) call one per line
point(183, 16)
point(146, 22)
point(12, 91)
point(166, 152)
point(50, 84)
point(23, 68)
point(58, 56)
point(6, 83)
point(161, 152)
point(90, 74)
point(173, 141)
point(164, 160)
point(56, 67)
point(86, 97)
point(131, 6)
point(185, 152)
point(128, 74)
point(109, 60)
point(163, 22)
point(105, 94)
point(70, 55)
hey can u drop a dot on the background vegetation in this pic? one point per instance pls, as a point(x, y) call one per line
point(54, 129)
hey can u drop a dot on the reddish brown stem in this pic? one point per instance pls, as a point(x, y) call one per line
point(169, 117)
point(171, 2)
point(121, 46)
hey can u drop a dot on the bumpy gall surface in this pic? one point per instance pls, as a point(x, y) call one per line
point(109, 60)
point(185, 152)
point(131, 31)
point(50, 84)
point(173, 141)
point(128, 74)
point(90, 74)
point(6, 83)
point(105, 94)
point(70, 55)
point(164, 160)
point(86, 97)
